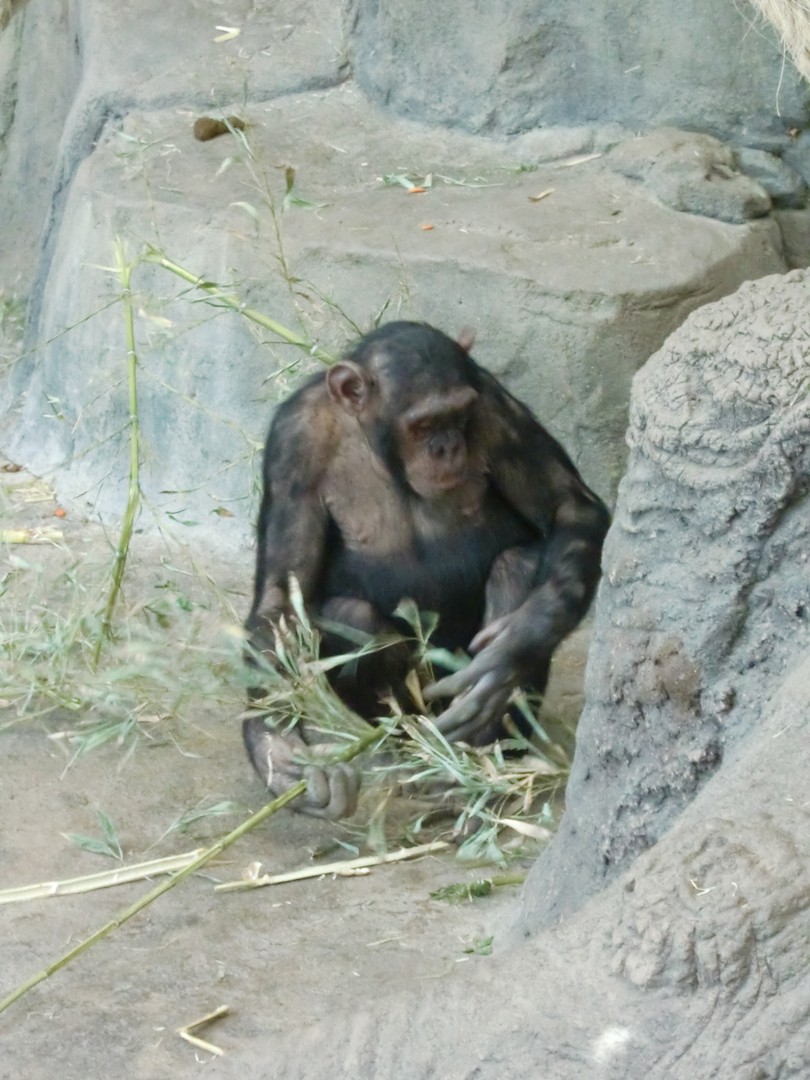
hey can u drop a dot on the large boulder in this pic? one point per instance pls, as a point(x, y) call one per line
point(705, 601)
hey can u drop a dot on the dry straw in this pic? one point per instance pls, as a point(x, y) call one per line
point(791, 18)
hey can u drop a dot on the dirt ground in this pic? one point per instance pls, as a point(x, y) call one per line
point(279, 957)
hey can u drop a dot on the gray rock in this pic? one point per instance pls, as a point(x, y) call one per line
point(797, 151)
point(106, 62)
point(795, 228)
point(784, 184)
point(513, 65)
point(696, 174)
point(705, 601)
point(589, 280)
point(569, 293)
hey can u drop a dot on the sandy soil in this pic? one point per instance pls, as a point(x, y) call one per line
point(278, 957)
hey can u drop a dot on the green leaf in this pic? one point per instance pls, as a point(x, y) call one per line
point(109, 846)
point(481, 947)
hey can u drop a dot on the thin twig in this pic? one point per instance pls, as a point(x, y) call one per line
point(185, 1032)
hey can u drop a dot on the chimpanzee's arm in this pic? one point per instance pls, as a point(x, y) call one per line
point(535, 475)
point(293, 521)
point(292, 536)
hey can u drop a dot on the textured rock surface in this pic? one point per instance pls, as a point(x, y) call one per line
point(587, 282)
point(694, 173)
point(705, 600)
point(512, 65)
point(569, 293)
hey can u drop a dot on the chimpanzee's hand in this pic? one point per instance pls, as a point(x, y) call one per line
point(280, 760)
point(481, 690)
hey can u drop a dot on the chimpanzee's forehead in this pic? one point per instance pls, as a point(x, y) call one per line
point(413, 355)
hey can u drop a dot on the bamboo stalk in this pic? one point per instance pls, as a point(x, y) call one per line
point(104, 879)
point(235, 304)
point(343, 866)
point(124, 270)
point(186, 1032)
point(357, 747)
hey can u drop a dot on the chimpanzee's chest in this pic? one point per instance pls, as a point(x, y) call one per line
point(438, 554)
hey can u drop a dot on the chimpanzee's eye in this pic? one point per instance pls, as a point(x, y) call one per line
point(422, 428)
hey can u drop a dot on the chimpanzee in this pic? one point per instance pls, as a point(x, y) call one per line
point(408, 471)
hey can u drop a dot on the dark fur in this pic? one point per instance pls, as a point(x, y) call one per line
point(330, 516)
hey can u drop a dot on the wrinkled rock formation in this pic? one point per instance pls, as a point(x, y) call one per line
point(706, 592)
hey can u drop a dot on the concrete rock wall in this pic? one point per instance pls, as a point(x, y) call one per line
point(514, 65)
point(566, 248)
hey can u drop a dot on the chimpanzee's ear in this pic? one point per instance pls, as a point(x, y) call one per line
point(348, 387)
point(466, 338)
